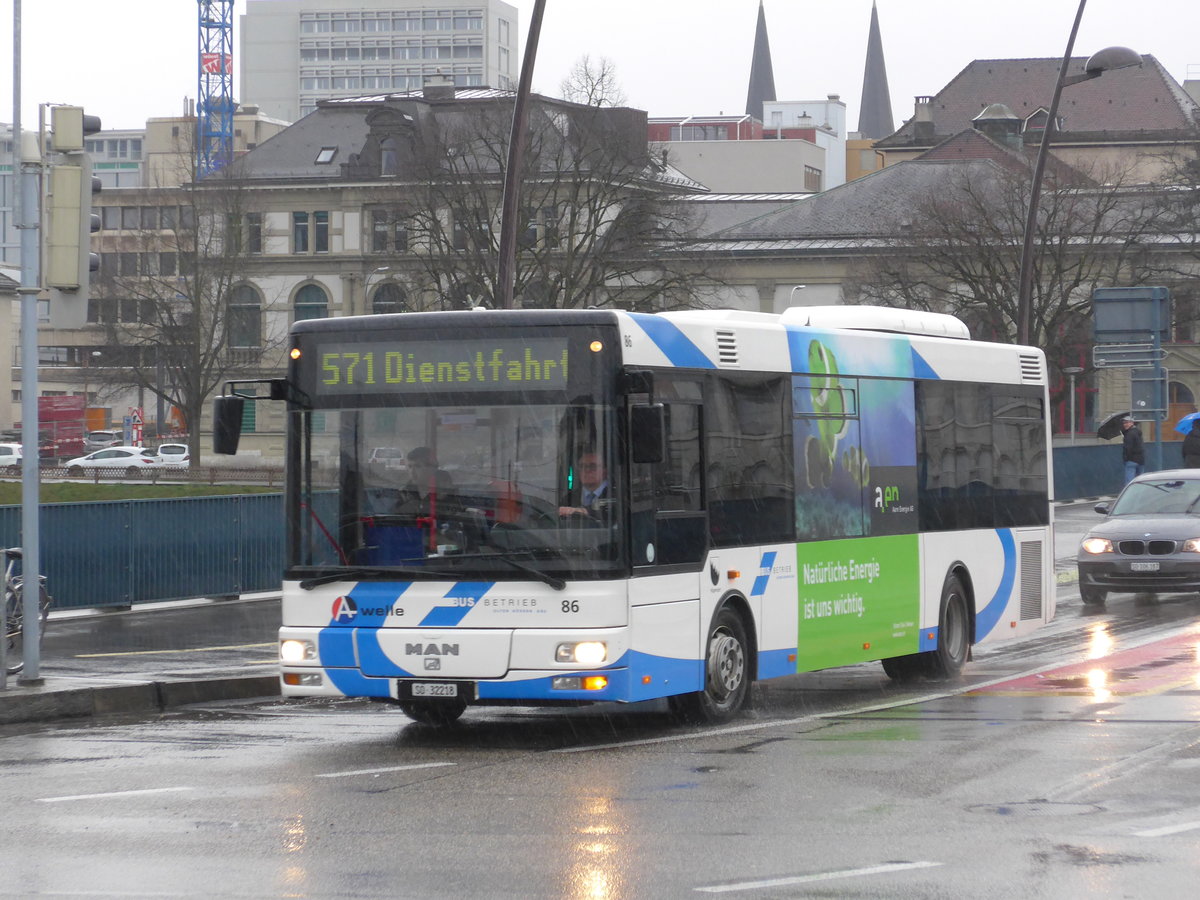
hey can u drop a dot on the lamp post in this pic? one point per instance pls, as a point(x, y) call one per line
point(792, 294)
point(1071, 372)
point(1097, 65)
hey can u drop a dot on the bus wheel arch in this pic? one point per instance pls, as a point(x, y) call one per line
point(730, 666)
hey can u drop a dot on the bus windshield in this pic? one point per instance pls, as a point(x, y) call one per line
point(473, 493)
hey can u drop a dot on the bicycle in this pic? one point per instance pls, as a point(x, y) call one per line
point(14, 610)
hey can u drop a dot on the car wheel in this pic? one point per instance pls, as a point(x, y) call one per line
point(1092, 596)
point(433, 712)
point(131, 472)
point(75, 471)
point(726, 675)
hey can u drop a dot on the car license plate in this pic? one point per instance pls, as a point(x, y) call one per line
point(1143, 567)
point(410, 690)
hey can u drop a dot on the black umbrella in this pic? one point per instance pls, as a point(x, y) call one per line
point(1111, 426)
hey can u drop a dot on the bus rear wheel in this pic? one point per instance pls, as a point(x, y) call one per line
point(726, 675)
point(433, 712)
point(953, 645)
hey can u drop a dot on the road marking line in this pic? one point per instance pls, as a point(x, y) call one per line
point(386, 769)
point(823, 876)
point(182, 650)
point(112, 794)
point(1167, 829)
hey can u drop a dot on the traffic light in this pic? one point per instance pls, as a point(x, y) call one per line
point(69, 222)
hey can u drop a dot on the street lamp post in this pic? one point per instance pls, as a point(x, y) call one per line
point(1097, 65)
point(1071, 372)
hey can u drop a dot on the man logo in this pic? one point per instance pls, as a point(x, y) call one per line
point(344, 609)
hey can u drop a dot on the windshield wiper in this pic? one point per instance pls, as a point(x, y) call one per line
point(317, 580)
point(545, 577)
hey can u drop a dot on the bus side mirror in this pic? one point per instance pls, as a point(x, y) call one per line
point(227, 424)
point(647, 429)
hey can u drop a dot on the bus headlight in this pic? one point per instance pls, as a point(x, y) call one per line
point(1096, 545)
point(297, 651)
point(589, 653)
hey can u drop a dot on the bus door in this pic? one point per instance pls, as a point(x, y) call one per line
point(669, 524)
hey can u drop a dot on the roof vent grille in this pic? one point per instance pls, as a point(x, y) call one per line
point(727, 349)
point(1031, 368)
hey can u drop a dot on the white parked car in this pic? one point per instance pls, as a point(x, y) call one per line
point(132, 460)
point(174, 456)
point(10, 459)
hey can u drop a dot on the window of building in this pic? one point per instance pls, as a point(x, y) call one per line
point(130, 216)
point(389, 297)
point(325, 155)
point(166, 264)
point(253, 233)
point(321, 231)
point(311, 303)
point(299, 232)
point(812, 178)
point(245, 320)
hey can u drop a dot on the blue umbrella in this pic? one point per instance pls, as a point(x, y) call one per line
point(1184, 425)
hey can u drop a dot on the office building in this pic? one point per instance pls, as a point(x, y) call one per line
point(294, 53)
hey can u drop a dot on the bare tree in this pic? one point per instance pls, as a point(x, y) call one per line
point(593, 83)
point(173, 298)
point(599, 213)
point(958, 250)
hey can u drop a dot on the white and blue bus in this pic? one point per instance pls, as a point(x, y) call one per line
point(780, 494)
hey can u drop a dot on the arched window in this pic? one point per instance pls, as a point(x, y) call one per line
point(311, 303)
point(245, 317)
point(389, 297)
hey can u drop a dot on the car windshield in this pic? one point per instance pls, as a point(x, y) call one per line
point(485, 488)
point(1167, 496)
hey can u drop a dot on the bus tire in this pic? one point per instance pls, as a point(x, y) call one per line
point(433, 712)
point(954, 632)
point(953, 646)
point(904, 668)
point(726, 675)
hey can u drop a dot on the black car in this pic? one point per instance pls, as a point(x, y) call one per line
point(1149, 541)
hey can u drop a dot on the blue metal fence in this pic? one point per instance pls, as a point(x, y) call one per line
point(1096, 470)
point(117, 553)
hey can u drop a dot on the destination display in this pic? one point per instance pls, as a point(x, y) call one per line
point(502, 364)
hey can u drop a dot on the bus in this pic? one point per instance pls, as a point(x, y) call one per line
point(782, 493)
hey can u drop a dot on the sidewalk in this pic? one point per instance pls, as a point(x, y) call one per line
point(150, 658)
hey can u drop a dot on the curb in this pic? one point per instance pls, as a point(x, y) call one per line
point(41, 705)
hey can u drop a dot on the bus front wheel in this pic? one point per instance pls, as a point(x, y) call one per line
point(726, 675)
point(433, 712)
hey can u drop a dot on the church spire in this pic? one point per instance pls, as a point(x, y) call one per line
point(875, 110)
point(762, 79)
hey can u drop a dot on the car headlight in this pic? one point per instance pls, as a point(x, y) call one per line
point(1096, 545)
point(1192, 545)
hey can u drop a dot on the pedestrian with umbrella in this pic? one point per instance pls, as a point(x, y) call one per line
point(1133, 449)
point(1191, 447)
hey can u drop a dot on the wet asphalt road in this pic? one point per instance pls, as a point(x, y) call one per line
point(1062, 766)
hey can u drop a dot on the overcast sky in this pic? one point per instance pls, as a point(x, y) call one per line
point(128, 60)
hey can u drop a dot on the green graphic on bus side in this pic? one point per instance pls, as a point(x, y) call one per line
point(859, 600)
